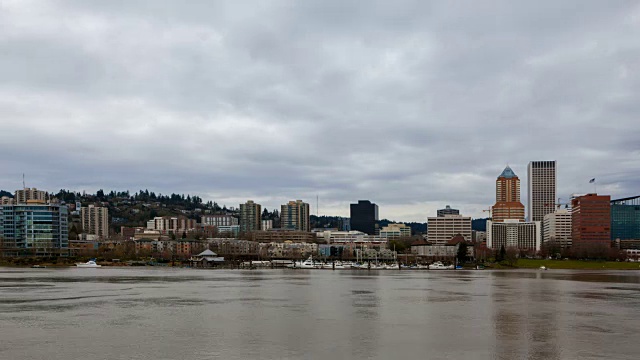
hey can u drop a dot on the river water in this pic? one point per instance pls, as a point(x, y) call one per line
point(151, 313)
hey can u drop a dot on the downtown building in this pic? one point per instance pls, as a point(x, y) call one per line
point(34, 228)
point(591, 221)
point(447, 211)
point(625, 219)
point(364, 216)
point(541, 188)
point(24, 195)
point(250, 217)
point(556, 228)
point(295, 216)
point(441, 229)
point(508, 205)
point(218, 220)
point(513, 233)
point(95, 222)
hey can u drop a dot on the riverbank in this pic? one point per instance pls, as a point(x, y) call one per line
point(571, 264)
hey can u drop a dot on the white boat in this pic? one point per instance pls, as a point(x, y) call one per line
point(392, 266)
point(440, 266)
point(88, 264)
point(307, 264)
point(543, 267)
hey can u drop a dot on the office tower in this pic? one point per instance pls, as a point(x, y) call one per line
point(448, 211)
point(625, 218)
point(512, 233)
point(295, 216)
point(28, 194)
point(250, 216)
point(508, 205)
point(557, 228)
point(364, 216)
point(95, 221)
point(36, 229)
point(442, 228)
point(591, 220)
point(541, 188)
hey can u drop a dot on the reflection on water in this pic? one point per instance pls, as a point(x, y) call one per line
point(177, 313)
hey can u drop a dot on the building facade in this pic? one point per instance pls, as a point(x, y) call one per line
point(557, 228)
point(541, 188)
point(441, 229)
point(625, 218)
point(250, 216)
point(295, 216)
point(267, 224)
point(447, 211)
point(364, 216)
point(508, 205)
point(513, 233)
point(172, 224)
point(395, 231)
point(34, 230)
point(591, 220)
point(219, 220)
point(26, 194)
point(95, 221)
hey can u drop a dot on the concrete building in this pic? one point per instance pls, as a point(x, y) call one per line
point(34, 229)
point(591, 220)
point(232, 230)
point(345, 224)
point(512, 233)
point(95, 221)
point(218, 220)
point(295, 216)
point(447, 211)
point(557, 228)
point(281, 235)
point(172, 224)
point(250, 216)
point(441, 229)
point(26, 194)
point(478, 236)
point(625, 218)
point(267, 224)
point(395, 231)
point(353, 236)
point(5, 200)
point(364, 216)
point(508, 205)
point(541, 189)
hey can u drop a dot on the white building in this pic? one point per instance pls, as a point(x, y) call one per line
point(557, 227)
point(218, 220)
point(541, 188)
point(353, 236)
point(514, 234)
point(441, 229)
point(395, 231)
point(267, 224)
point(95, 222)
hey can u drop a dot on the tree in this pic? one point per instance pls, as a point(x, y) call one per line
point(511, 256)
point(462, 252)
point(500, 255)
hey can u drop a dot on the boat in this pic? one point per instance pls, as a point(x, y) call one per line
point(307, 264)
point(543, 267)
point(88, 264)
point(440, 266)
point(38, 267)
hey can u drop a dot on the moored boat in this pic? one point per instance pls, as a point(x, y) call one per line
point(88, 264)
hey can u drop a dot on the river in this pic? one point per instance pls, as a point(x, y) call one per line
point(164, 313)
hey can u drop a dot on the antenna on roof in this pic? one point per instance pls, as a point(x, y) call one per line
point(23, 185)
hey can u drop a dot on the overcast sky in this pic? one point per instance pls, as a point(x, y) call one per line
point(411, 104)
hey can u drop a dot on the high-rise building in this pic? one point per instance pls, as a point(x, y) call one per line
point(250, 216)
point(442, 228)
point(508, 205)
point(513, 233)
point(447, 211)
point(295, 216)
point(34, 230)
point(591, 220)
point(557, 228)
point(24, 195)
point(625, 218)
point(364, 216)
point(95, 221)
point(5, 200)
point(541, 188)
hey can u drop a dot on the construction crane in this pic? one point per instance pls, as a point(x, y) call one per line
point(558, 204)
point(490, 211)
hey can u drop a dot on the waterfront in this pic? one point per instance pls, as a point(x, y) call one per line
point(134, 313)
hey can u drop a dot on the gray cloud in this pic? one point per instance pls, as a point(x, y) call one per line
point(411, 104)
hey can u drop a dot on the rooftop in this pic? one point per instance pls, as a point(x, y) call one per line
point(508, 173)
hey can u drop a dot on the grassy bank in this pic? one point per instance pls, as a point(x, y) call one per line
point(577, 264)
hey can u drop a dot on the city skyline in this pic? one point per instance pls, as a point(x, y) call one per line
point(412, 107)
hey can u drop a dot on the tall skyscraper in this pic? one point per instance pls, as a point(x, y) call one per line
point(591, 220)
point(508, 205)
point(364, 215)
point(250, 216)
point(95, 221)
point(295, 215)
point(447, 211)
point(541, 188)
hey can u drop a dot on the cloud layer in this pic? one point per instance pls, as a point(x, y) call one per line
point(411, 104)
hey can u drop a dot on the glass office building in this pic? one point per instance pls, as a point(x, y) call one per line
point(34, 230)
point(625, 218)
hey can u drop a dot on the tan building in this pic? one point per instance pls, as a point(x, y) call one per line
point(508, 205)
point(295, 216)
point(95, 221)
point(557, 228)
point(441, 229)
point(26, 194)
point(172, 224)
point(250, 217)
point(281, 235)
point(395, 231)
point(513, 233)
point(218, 220)
point(5, 200)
